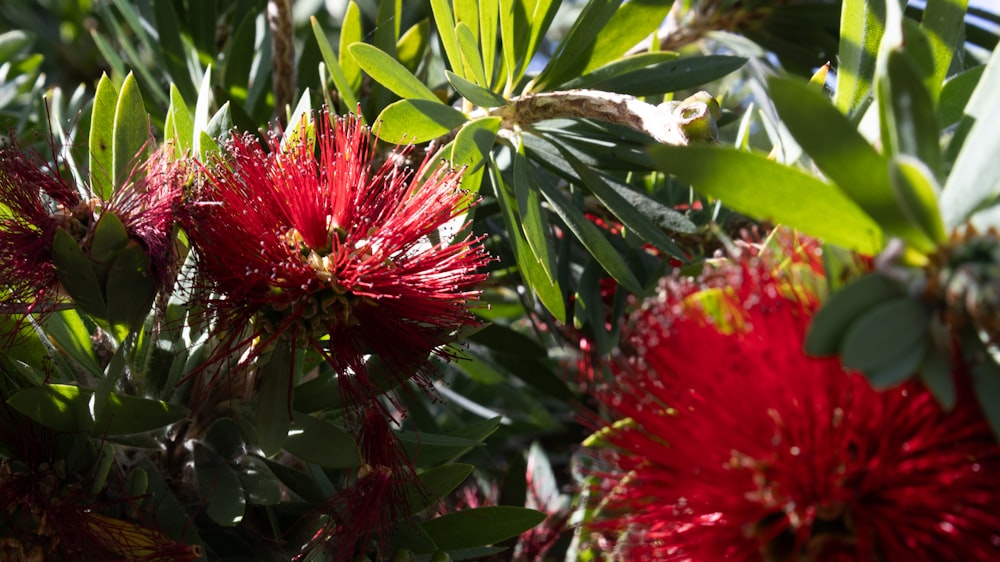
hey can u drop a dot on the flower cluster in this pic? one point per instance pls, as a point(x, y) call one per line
point(312, 244)
point(731, 444)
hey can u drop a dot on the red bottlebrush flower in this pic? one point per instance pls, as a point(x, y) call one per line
point(40, 200)
point(365, 510)
point(313, 245)
point(732, 444)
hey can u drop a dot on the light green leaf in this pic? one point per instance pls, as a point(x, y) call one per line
point(955, 95)
point(471, 57)
point(131, 140)
point(481, 526)
point(488, 24)
point(388, 72)
point(470, 148)
point(943, 23)
point(862, 24)
point(844, 156)
point(71, 337)
point(413, 44)
point(179, 123)
point(975, 176)
point(444, 20)
point(764, 189)
point(102, 128)
point(344, 84)
point(417, 121)
point(351, 31)
point(573, 53)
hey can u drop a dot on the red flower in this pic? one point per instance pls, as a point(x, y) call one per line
point(734, 445)
point(40, 199)
point(315, 243)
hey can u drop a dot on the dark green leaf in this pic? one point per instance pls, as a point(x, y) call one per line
point(937, 374)
point(670, 76)
point(130, 288)
point(909, 123)
point(316, 441)
point(955, 95)
point(273, 406)
point(76, 274)
point(843, 309)
point(752, 184)
point(625, 65)
point(474, 92)
point(506, 340)
point(262, 487)
point(435, 484)
point(124, 414)
point(533, 223)
point(480, 526)
point(220, 486)
point(61, 407)
point(889, 341)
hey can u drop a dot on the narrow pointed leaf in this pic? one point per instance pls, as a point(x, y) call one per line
point(481, 526)
point(390, 73)
point(341, 80)
point(132, 136)
point(862, 24)
point(124, 414)
point(61, 407)
point(943, 23)
point(764, 189)
point(102, 127)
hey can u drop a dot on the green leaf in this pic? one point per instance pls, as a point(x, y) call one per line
point(670, 76)
point(843, 309)
point(351, 31)
point(888, 342)
point(909, 123)
point(390, 73)
point(470, 148)
point(61, 407)
point(631, 23)
point(862, 24)
point(131, 287)
point(761, 188)
point(436, 483)
point(102, 127)
point(986, 382)
point(956, 93)
point(179, 123)
point(71, 337)
point(124, 414)
point(507, 340)
point(413, 44)
point(471, 58)
point(388, 22)
point(489, 21)
point(273, 413)
point(201, 110)
point(532, 219)
point(474, 92)
point(844, 155)
point(547, 290)
point(592, 238)
point(937, 374)
point(220, 487)
point(341, 80)
point(606, 73)
point(417, 121)
point(444, 20)
point(480, 526)
point(172, 48)
point(316, 441)
point(76, 274)
point(224, 437)
point(131, 133)
point(262, 487)
point(975, 176)
point(917, 193)
point(108, 240)
point(943, 23)
point(13, 43)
